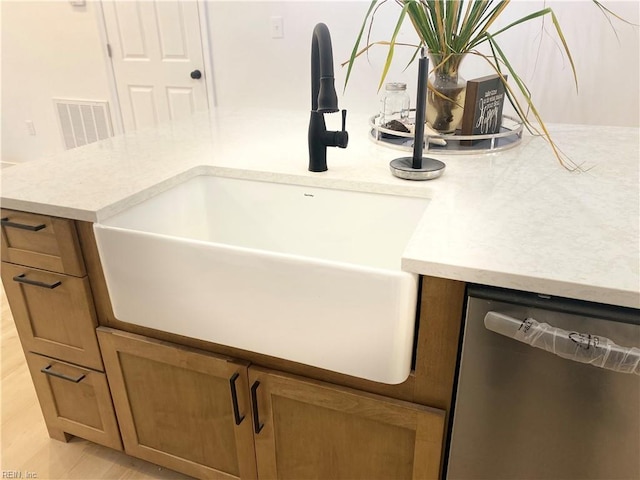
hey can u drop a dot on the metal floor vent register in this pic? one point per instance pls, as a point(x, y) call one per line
point(82, 122)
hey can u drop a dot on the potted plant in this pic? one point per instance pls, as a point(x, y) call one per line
point(450, 30)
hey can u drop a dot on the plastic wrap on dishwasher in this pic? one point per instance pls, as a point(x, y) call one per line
point(580, 347)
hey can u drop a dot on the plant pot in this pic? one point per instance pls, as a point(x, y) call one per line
point(446, 92)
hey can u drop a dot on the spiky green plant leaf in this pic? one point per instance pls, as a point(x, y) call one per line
point(450, 28)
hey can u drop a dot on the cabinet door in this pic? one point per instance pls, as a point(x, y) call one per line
point(74, 401)
point(182, 408)
point(311, 430)
point(54, 314)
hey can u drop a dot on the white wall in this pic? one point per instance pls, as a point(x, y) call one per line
point(251, 68)
point(49, 50)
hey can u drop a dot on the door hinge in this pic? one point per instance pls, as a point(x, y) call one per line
point(109, 50)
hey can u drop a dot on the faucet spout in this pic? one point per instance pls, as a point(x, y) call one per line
point(323, 100)
point(323, 91)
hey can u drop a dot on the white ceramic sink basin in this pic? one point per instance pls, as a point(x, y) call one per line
point(305, 274)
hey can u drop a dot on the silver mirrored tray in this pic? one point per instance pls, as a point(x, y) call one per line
point(509, 136)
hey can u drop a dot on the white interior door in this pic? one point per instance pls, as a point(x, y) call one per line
point(156, 52)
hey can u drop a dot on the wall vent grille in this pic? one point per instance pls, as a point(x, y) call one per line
point(82, 122)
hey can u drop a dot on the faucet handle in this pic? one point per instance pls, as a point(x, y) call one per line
point(342, 137)
point(334, 138)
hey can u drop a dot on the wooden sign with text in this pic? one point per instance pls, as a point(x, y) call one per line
point(483, 106)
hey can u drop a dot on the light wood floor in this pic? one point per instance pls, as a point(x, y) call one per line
point(25, 445)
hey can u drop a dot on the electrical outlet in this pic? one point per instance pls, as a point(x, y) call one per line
point(277, 27)
point(31, 128)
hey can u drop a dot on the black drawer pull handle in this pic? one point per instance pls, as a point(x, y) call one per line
point(234, 398)
point(22, 279)
point(48, 371)
point(33, 228)
point(257, 426)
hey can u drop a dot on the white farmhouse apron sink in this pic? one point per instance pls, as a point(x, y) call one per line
point(306, 274)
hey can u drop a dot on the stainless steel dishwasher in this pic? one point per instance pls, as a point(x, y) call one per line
point(522, 411)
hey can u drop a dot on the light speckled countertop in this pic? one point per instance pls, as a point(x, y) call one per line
point(513, 219)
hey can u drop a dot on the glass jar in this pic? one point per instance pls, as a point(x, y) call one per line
point(394, 104)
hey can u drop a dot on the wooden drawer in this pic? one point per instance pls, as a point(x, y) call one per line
point(74, 401)
point(41, 241)
point(54, 314)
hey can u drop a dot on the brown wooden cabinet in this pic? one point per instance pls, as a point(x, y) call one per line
point(44, 276)
point(182, 408)
point(314, 430)
point(208, 410)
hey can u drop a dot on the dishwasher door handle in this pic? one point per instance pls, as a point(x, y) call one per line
point(580, 347)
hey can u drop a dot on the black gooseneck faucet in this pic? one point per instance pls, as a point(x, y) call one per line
point(323, 100)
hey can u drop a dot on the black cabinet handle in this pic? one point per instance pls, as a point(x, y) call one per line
point(33, 228)
point(22, 279)
point(257, 426)
point(234, 398)
point(196, 74)
point(47, 370)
